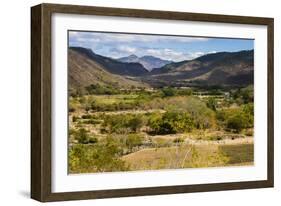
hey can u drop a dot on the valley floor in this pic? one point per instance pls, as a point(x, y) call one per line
point(128, 132)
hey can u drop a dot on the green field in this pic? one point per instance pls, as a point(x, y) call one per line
point(238, 154)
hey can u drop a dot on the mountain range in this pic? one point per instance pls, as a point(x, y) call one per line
point(112, 65)
point(148, 62)
point(84, 70)
point(222, 68)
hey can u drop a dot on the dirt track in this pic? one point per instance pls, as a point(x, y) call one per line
point(246, 140)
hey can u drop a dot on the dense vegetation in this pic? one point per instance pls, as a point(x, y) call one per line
point(109, 125)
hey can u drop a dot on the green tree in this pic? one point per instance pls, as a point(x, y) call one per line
point(135, 123)
point(123, 123)
point(212, 103)
point(82, 136)
point(103, 156)
point(171, 122)
point(248, 110)
point(201, 115)
point(133, 140)
point(237, 122)
point(243, 95)
point(168, 92)
point(106, 156)
point(185, 92)
point(237, 118)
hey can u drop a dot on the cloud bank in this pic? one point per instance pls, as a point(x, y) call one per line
point(173, 48)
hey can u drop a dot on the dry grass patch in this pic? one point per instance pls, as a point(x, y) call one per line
point(184, 156)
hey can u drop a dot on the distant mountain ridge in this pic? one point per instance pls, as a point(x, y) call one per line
point(112, 65)
point(222, 68)
point(148, 62)
point(84, 71)
point(129, 59)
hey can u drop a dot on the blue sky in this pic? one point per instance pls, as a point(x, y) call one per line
point(174, 48)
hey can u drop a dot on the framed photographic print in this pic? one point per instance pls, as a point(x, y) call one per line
point(130, 102)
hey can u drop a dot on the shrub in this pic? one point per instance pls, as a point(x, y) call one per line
point(168, 92)
point(237, 122)
point(74, 118)
point(180, 122)
point(244, 95)
point(71, 109)
point(86, 116)
point(72, 132)
point(78, 159)
point(103, 156)
point(135, 123)
point(201, 115)
point(215, 138)
point(212, 103)
point(170, 122)
point(123, 123)
point(248, 111)
point(92, 121)
point(82, 136)
point(154, 121)
point(93, 140)
point(133, 140)
point(178, 140)
point(99, 89)
point(237, 118)
point(185, 92)
point(106, 156)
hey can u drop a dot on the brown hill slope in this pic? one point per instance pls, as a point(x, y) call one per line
point(83, 71)
point(223, 68)
point(112, 65)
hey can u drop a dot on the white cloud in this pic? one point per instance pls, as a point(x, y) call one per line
point(128, 38)
point(173, 55)
point(126, 49)
point(193, 55)
point(118, 45)
point(168, 54)
point(80, 39)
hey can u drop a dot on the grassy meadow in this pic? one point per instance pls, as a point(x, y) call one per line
point(132, 129)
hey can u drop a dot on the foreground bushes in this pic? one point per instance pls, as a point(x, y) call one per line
point(83, 137)
point(101, 157)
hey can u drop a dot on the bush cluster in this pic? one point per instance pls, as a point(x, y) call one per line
point(83, 137)
point(100, 89)
point(104, 156)
point(113, 107)
point(123, 123)
point(170, 122)
point(237, 119)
